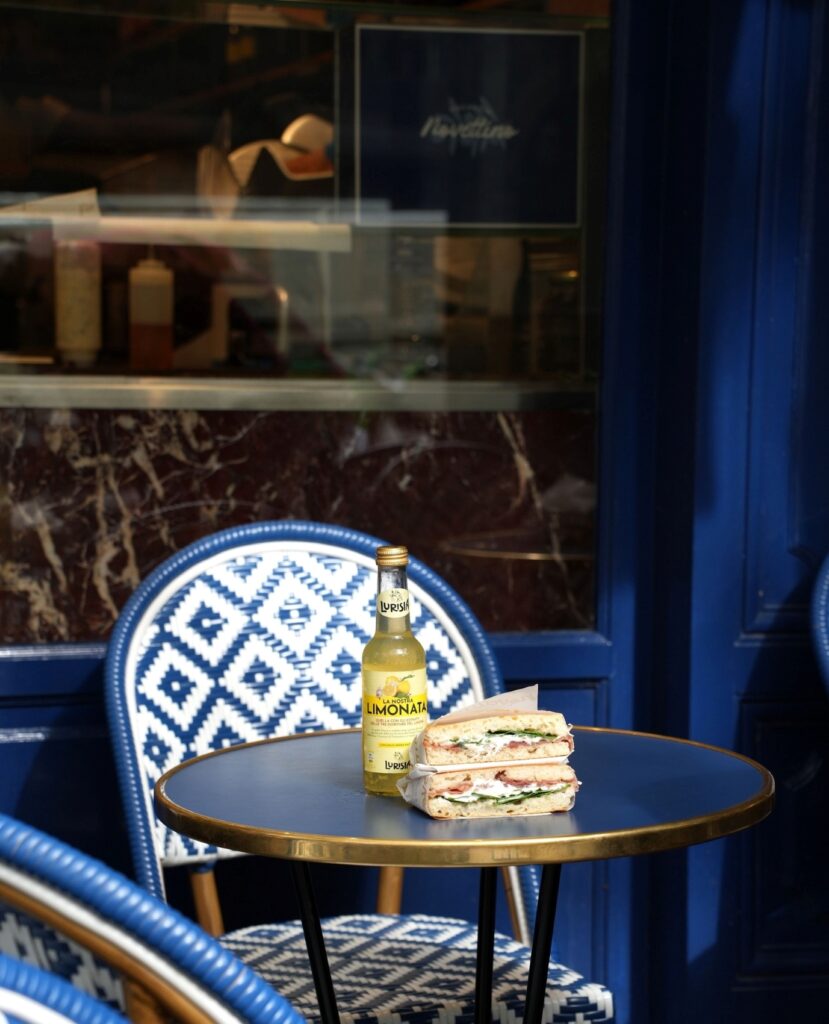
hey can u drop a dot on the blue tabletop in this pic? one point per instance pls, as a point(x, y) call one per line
point(302, 797)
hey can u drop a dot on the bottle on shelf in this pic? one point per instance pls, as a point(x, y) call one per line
point(77, 301)
point(151, 316)
point(394, 680)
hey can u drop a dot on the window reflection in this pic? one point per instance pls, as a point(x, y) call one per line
point(229, 198)
point(237, 150)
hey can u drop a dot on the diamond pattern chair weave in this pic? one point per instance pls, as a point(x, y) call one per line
point(417, 969)
point(257, 632)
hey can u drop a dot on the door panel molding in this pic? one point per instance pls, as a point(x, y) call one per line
point(786, 529)
point(782, 867)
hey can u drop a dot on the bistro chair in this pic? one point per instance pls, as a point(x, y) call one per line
point(820, 621)
point(256, 632)
point(31, 996)
point(65, 913)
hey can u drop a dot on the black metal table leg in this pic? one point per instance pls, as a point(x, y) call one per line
point(542, 943)
point(486, 946)
point(316, 944)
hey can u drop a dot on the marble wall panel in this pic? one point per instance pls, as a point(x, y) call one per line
point(501, 504)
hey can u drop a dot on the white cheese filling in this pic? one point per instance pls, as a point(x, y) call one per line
point(494, 788)
point(492, 744)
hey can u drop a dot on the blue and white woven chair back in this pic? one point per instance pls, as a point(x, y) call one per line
point(255, 632)
point(29, 995)
point(64, 912)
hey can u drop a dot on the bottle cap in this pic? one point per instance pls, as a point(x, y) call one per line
point(151, 269)
point(392, 556)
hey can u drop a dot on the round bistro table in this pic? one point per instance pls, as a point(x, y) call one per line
point(301, 798)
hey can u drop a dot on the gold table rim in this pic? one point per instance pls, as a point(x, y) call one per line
point(510, 851)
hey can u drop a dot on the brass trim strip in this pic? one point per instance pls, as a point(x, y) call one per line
point(469, 551)
point(474, 853)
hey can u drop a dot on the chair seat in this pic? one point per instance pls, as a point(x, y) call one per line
point(414, 969)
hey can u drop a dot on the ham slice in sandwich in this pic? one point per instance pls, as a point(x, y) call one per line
point(504, 763)
point(504, 736)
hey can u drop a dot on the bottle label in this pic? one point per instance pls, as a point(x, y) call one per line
point(394, 712)
point(393, 604)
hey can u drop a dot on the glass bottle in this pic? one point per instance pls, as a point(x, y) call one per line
point(394, 680)
point(78, 301)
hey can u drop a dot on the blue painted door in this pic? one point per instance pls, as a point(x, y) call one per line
point(737, 928)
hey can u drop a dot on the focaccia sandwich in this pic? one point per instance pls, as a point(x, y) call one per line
point(503, 736)
point(502, 763)
point(481, 792)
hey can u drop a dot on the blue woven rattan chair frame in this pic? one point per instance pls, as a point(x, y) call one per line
point(29, 995)
point(820, 621)
point(64, 912)
point(255, 632)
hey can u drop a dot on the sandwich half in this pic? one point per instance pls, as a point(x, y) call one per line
point(481, 792)
point(507, 736)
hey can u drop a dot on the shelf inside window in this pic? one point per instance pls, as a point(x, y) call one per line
point(296, 235)
point(90, 391)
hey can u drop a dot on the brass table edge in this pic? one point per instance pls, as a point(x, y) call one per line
point(475, 853)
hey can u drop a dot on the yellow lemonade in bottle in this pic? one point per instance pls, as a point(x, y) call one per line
point(394, 680)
